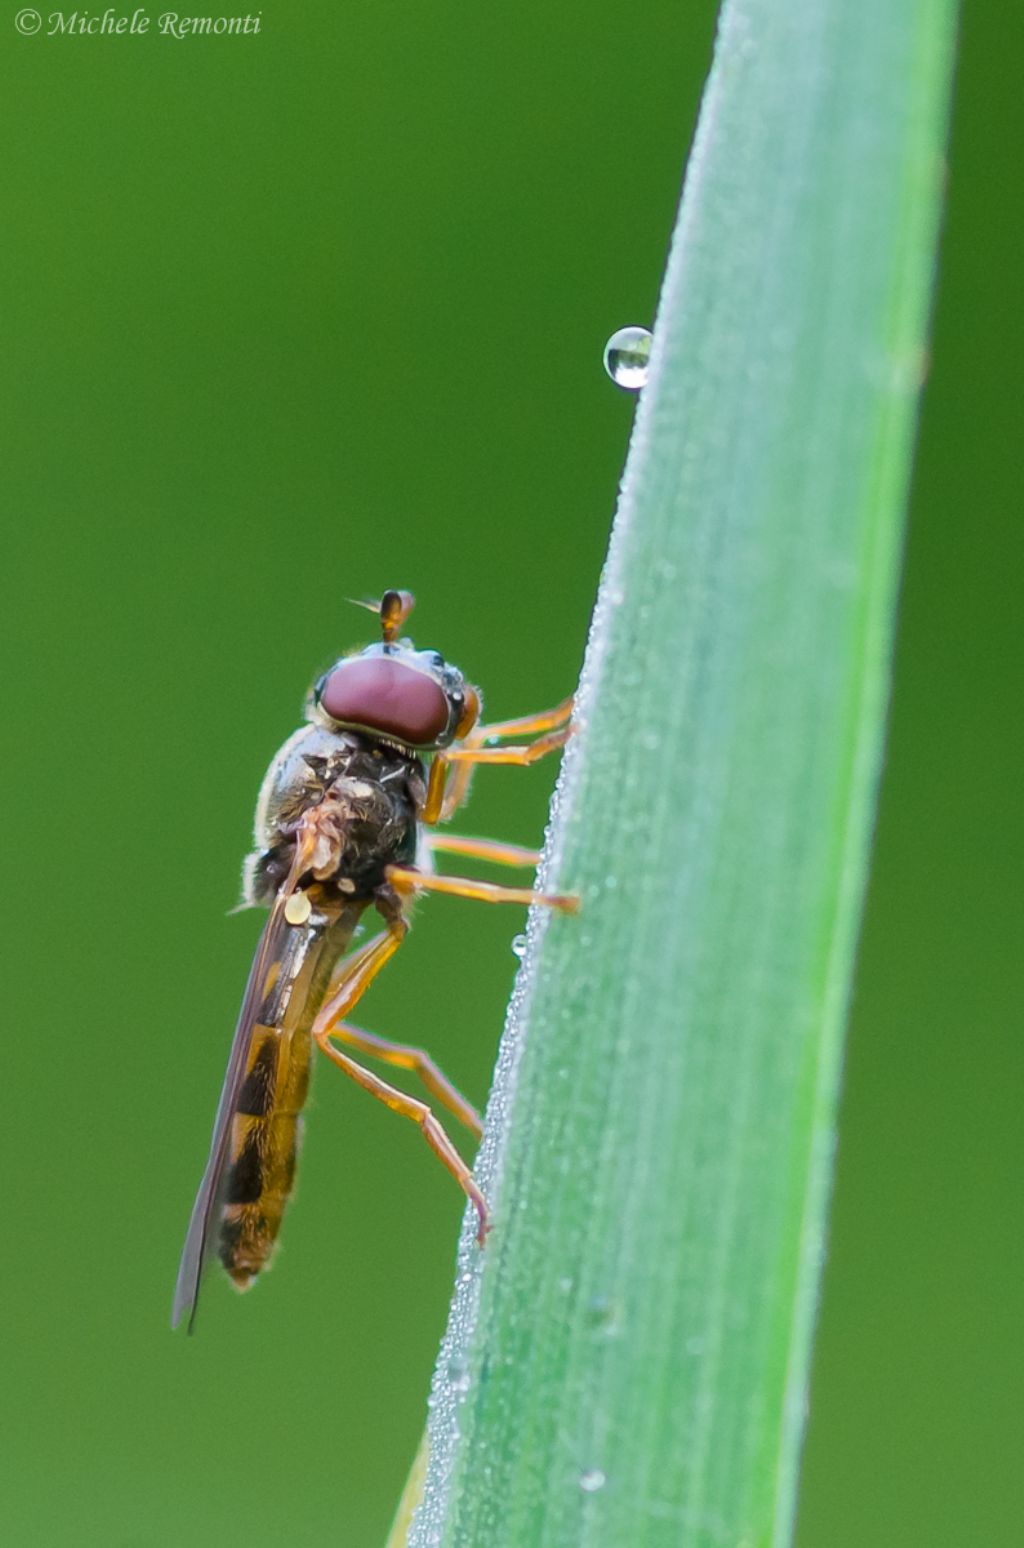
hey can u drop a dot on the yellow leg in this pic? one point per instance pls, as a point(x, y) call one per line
point(485, 849)
point(405, 1057)
point(444, 796)
point(420, 1114)
point(351, 964)
point(355, 975)
point(458, 788)
point(406, 879)
point(348, 986)
point(438, 803)
point(517, 755)
point(526, 725)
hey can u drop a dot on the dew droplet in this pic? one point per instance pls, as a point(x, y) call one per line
point(626, 357)
point(458, 1373)
point(592, 1480)
point(602, 1316)
point(519, 945)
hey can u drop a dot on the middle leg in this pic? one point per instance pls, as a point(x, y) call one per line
point(485, 849)
point(406, 879)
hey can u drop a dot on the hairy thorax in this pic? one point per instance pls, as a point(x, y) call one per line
point(368, 795)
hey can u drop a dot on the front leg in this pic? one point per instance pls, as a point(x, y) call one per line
point(444, 796)
point(530, 753)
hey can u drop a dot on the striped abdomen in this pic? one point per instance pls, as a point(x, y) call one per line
point(266, 1126)
point(265, 1135)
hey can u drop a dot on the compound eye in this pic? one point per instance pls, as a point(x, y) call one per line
point(385, 696)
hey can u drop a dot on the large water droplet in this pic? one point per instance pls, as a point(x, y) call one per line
point(592, 1480)
point(626, 357)
point(519, 945)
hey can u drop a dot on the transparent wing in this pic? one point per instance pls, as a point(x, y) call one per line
point(197, 1240)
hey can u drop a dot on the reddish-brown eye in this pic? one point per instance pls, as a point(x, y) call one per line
point(388, 697)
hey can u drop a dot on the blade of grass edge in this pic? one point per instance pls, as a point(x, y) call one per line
point(412, 1494)
point(628, 1360)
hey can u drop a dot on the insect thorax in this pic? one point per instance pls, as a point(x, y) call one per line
point(372, 793)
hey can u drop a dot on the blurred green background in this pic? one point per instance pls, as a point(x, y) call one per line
point(289, 318)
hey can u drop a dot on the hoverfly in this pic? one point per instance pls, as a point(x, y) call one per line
point(345, 821)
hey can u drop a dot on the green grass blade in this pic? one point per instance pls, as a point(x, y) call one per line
point(627, 1363)
point(412, 1494)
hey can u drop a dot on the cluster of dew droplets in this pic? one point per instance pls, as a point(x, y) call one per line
point(453, 1376)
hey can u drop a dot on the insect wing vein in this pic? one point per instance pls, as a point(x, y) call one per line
point(197, 1243)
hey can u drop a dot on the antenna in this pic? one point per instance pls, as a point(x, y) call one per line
point(393, 609)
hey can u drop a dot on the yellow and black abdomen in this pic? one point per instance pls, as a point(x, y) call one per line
point(266, 1126)
point(265, 1135)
